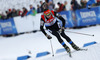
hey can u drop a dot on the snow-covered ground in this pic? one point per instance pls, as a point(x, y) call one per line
point(13, 47)
point(91, 54)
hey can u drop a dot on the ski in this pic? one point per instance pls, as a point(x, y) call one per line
point(70, 54)
point(83, 49)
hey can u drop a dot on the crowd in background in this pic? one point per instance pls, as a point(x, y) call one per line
point(43, 5)
point(13, 12)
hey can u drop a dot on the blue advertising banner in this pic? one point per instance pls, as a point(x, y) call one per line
point(7, 26)
point(67, 15)
point(0, 30)
point(86, 17)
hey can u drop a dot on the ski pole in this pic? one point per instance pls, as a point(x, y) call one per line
point(52, 48)
point(29, 51)
point(80, 33)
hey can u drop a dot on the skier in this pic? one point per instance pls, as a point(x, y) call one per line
point(50, 20)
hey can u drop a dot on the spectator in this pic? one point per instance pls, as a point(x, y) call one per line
point(3, 16)
point(45, 6)
point(61, 7)
point(38, 9)
point(32, 11)
point(24, 12)
point(41, 6)
point(98, 2)
point(75, 5)
point(65, 3)
point(19, 12)
point(50, 4)
point(90, 3)
point(83, 3)
point(0, 16)
point(14, 13)
point(9, 14)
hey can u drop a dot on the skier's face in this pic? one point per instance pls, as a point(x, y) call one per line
point(47, 13)
point(48, 16)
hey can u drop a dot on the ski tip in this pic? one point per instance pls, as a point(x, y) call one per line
point(83, 49)
point(29, 52)
point(70, 56)
point(53, 55)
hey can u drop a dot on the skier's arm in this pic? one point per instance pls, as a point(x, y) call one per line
point(61, 18)
point(41, 27)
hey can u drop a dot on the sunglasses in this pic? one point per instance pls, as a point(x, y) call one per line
point(48, 14)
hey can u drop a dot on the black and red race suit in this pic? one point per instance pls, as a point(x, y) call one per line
point(53, 26)
point(51, 23)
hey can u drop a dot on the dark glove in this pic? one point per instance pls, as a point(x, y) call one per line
point(61, 30)
point(48, 36)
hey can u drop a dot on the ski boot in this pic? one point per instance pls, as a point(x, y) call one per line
point(75, 47)
point(68, 50)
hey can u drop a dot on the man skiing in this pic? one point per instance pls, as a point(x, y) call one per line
point(50, 20)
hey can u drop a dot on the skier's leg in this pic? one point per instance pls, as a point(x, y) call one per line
point(55, 33)
point(70, 41)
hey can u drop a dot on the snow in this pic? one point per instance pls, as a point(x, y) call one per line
point(13, 47)
point(91, 54)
